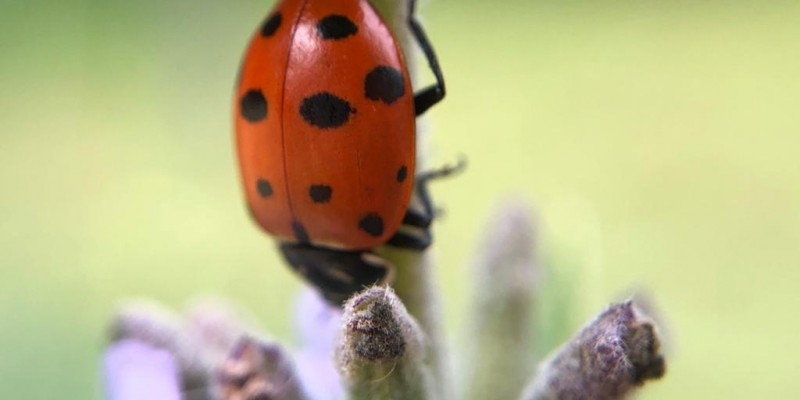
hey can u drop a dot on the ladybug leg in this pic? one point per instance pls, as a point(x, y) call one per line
point(337, 274)
point(415, 232)
point(424, 99)
point(419, 241)
point(423, 219)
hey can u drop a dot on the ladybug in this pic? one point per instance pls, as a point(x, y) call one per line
point(325, 135)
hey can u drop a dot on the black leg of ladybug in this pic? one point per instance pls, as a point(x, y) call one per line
point(421, 184)
point(415, 232)
point(419, 240)
point(424, 99)
point(338, 274)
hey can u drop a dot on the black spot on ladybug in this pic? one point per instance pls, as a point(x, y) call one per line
point(253, 106)
point(300, 232)
point(325, 110)
point(264, 188)
point(336, 27)
point(271, 25)
point(385, 84)
point(402, 173)
point(372, 224)
point(320, 193)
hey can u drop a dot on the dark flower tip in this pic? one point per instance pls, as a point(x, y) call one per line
point(606, 360)
point(372, 327)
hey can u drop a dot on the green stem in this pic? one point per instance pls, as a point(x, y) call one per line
point(414, 279)
point(502, 358)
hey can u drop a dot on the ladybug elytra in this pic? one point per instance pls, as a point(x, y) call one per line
point(325, 131)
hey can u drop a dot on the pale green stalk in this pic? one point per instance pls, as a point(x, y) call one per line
point(501, 334)
point(414, 280)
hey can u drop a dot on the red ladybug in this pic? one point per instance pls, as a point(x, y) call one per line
point(325, 132)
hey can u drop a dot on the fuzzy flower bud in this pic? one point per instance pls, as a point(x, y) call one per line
point(381, 349)
point(257, 370)
point(606, 360)
point(147, 358)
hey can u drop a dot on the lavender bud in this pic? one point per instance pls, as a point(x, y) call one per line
point(318, 324)
point(149, 358)
point(381, 349)
point(137, 370)
point(256, 370)
point(606, 360)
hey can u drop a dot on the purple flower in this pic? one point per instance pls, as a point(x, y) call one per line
point(135, 370)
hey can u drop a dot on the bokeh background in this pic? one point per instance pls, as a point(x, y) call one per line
point(657, 141)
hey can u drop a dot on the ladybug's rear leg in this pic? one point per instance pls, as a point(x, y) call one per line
point(424, 99)
point(415, 232)
point(338, 274)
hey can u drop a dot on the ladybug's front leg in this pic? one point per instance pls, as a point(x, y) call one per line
point(338, 274)
point(415, 232)
point(426, 98)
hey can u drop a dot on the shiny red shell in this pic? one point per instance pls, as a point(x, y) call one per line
point(325, 125)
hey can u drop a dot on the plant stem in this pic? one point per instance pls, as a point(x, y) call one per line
point(501, 333)
point(414, 279)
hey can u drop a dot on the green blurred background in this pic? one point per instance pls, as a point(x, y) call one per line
point(658, 142)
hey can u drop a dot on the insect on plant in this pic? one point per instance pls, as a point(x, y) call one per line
point(325, 130)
